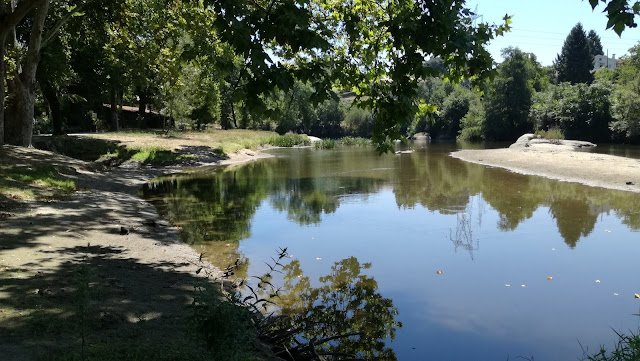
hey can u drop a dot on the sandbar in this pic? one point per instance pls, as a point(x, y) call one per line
point(560, 160)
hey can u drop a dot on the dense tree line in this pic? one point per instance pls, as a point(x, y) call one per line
point(571, 97)
point(265, 64)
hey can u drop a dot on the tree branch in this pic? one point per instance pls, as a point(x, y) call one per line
point(30, 63)
point(54, 30)
point(12, 19)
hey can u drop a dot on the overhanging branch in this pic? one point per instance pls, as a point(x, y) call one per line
point(12, 19)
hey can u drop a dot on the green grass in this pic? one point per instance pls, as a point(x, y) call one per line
point(20, 182)
point(552, 133)
point(325, 144)
point(158, 156)
point(354, 141)
point(346, 141)
point(289, 140)
point(627, 348)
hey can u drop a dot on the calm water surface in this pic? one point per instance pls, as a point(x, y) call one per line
point(393, 221)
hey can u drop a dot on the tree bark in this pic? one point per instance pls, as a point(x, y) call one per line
point(142, 103)
point(20, 111)
point(113, 111)
point(3, 38)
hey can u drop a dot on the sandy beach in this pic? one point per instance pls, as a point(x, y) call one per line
point(562, 162)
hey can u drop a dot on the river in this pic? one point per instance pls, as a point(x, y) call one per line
point(478, 262)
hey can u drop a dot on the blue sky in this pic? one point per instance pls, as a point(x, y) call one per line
point(541, 26)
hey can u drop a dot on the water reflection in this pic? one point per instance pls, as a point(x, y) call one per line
point(345, 316)
point(305, 200)
point(219, 205)
point(463, 235)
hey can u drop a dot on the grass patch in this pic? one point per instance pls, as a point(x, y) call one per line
point(552, 133)
point(223, 141)
point(354, 141)
point(346, 141)
point(289, 140)
point(23, 182)
point(325, 144)
point(158, 156)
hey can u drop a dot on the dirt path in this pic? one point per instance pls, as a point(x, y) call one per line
point(103, 245)
point(561, 162)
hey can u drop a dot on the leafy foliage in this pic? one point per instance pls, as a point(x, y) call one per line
point(626, 98)
point(621, 13)
point(510, 97)
point(581, 111)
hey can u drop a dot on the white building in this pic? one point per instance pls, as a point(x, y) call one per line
point(602, 61)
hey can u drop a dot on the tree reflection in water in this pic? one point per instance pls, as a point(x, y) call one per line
point(463, 236)
point(345, 318)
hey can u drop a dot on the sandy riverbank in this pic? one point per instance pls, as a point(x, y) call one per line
point(141, 273)
point(562, 162)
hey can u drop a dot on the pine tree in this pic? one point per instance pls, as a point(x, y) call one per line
point(594, 43)
point(575, 62)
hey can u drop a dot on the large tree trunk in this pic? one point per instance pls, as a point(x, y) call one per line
point(9, 18)
point(19, 116)
point(3, 38)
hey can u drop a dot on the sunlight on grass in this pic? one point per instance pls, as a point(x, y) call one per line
point(20, 182)
point(158, 156)
point(225, 141)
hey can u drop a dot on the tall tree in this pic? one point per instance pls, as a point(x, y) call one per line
point(575, 61)
point(22, 82)
point(510, 96)
point(11, 13)
point(594, 43)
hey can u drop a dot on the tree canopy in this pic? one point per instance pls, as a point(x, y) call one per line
point(376, 49)
point(595, 45)
point(226, 60)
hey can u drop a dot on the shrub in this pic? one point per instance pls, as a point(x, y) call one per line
point(552, 133)
point(358, 122)
point(355, 141)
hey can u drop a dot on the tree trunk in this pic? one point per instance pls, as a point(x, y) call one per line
point(20, 111)
point(113, 111)
point(142, 104)
point(51, 95)
point(3, 38)
point(19, 114)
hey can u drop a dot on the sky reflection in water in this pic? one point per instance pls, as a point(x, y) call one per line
point(414, 214)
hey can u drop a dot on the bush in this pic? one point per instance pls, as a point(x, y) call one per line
point(325, 144)
point(355, 141)
point(580, 111)
point(329, 119)
point(358, 122)
point(552, 133)
point(472, 125)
